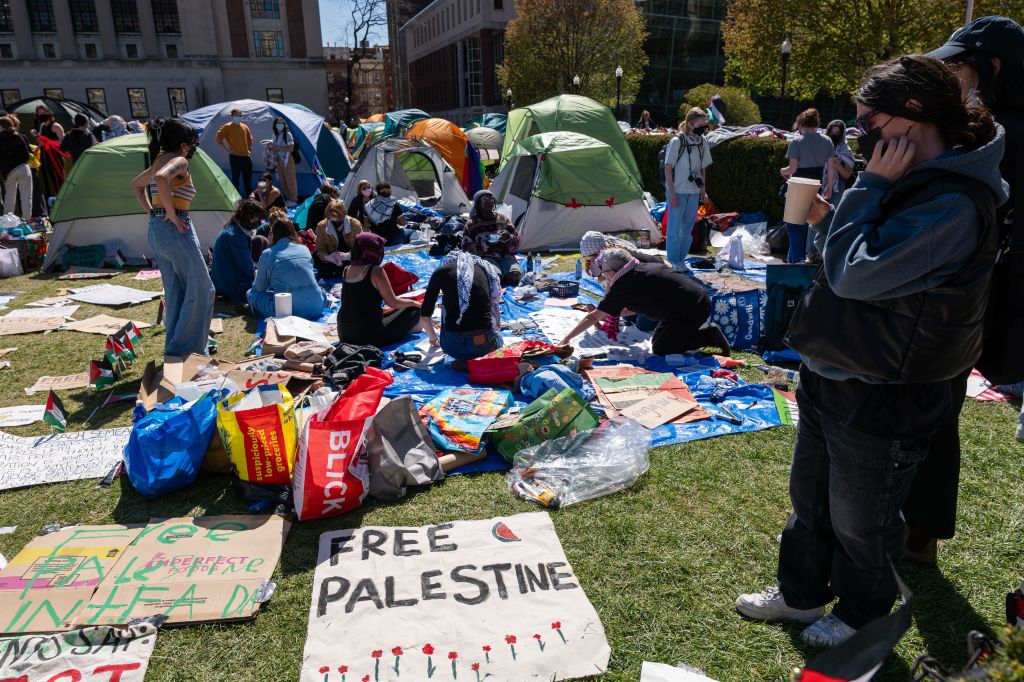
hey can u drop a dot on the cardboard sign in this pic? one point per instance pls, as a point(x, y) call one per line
point(68, 456)
point(658, 409)
point(20, 415)
point(65, 311)
point(208, 568)
point(100, 654)
point(28, 325)
point(112, 295)
point(467, 600)
point(63, 383)
point(104, 324)
point(216, 326)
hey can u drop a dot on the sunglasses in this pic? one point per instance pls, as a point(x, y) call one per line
point(863, 122)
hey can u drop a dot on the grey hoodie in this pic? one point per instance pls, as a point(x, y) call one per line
point(917, 249)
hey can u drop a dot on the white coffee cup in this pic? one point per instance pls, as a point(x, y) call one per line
point(799, 196)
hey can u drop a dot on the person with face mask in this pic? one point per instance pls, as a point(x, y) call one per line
point(281, 146)
point(165, 191)
point(892, 316)
point(235, 138)
point(334, 238)
point(267, 194)
point(808, 155)
point(840, 166)
point(686, 161)
point(489, 235)
point(234, 267)
point(364, 195)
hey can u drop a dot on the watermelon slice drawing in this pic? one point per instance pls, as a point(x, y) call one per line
point(503, 533)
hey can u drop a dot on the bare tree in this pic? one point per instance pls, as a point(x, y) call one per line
point(359, 19)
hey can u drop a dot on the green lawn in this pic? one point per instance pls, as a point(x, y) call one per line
point(661, 562)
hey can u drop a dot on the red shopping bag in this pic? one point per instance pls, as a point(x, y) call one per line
point(331, 475)
point(501, 366)
point(401, 280)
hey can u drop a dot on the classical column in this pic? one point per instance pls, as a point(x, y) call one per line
point(65, 30)
point(108, 35)
point(23, 29)
point(147, 26)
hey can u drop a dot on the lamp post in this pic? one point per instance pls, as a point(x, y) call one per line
point(508, 96)
point(618, 90)
point(348, 113)
point(785, 50)
point(576, 83)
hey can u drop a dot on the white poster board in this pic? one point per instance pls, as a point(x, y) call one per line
point(95, 654)
point(467, 600)
point(112, 295)
point(61, 457)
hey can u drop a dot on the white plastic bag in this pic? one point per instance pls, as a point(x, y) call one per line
point(9, 220)
point(732, 254)
point(10, 263)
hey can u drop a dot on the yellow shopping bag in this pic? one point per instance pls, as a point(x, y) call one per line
point(258, 431)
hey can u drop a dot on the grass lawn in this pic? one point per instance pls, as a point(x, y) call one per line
point(662, 562)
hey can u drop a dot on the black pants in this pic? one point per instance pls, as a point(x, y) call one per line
point(930, 508)
point(395, 327)
point(326, 269)
point(241, 166)
point(681, 333)
point(847, 488)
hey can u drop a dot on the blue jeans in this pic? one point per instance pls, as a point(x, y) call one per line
point(188, 290)
point(469, 346)
point(679, 229)
point(506, 266)
point(797, 243)
point(402, 236)
point(847, 489)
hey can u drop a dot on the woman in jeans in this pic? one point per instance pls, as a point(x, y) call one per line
point(188, 290)
point(470, 319)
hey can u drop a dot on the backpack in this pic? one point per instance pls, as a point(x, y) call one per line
point(1001, 360)
point(348, 361)
point(662, 157)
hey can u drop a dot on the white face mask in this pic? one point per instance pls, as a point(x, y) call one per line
point(367, 191)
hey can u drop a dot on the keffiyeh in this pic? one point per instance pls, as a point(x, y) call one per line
point(464, 264)
point(380, 209)
point(594, 243)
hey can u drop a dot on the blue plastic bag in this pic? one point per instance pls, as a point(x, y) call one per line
point(167, 446)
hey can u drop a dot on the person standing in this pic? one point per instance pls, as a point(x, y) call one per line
point(14, 168)
point(77, 140)
point(281, 146)
point(686, 161)
point(235, 138)
point(808, 155)
point(49, 134)
point(840, 166)
point(907, 256)
point(188, 289)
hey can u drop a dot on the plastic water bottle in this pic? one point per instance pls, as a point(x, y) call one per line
point(780, 375)
point(579, 268)
point(139, 412)
point(529, 263)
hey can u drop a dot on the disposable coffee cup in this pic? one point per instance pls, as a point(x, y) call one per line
point(282, 305)
point(799, 195)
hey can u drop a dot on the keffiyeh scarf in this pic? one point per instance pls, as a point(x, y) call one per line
point(464, 264)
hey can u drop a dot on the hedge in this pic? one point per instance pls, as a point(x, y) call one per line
point(744, 176)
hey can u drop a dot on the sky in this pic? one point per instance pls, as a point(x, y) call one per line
point(332, 25)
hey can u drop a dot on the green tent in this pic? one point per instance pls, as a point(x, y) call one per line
point(97, 205)
point(569, 113)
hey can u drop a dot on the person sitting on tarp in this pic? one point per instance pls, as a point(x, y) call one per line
point(364, 286)
point(318, 208)
point(334, 236)
point(490, 235)
point(286, 267)
point(385, 217)
point(679, 304)
point(235, 252)
point(470, 318)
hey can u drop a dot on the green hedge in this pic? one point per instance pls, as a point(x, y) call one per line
point(744, 176)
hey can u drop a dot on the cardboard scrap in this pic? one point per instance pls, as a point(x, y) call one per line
point(112, 295)
point(28, 325)
point(216, 326)
point(621, 386)
point(105, 325)
point(63, 383)
point(192, 570)
point(79, 272)
point(305, 329)
point(5, 351)
point(660, 672)
point(20, 415)
point(50, 301)
point(147, 274)
point(658, 409)
point(92, 654)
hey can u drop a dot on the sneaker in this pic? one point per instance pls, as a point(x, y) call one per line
point(770, 605)
point(828, 631)
point(1020, 430)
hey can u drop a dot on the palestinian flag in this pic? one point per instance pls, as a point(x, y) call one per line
point(120, 348)
point(859, 658)
point(119, 259)
point(54, 414)
point(101, 374)
point(132, 333)
point(119, 398)
point(717, 111)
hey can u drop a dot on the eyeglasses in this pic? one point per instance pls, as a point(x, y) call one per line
point(864, 120)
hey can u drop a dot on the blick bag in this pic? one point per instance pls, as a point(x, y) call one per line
point(258, 432)
point(331, 474)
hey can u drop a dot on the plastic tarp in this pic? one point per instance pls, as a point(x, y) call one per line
point(305, 126)
point(395, 122)
point(491, 120)
point(569, 113)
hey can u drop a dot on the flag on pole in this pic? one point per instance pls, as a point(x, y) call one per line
point(119, 259)
point(119, 349)
point(54, 414)
point(101, 374)
point(133, 334)
point(717, 111)
point(120, 398)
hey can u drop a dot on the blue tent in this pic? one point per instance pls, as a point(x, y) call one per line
point(335, 161)
point(492, 120)
point(395, 122)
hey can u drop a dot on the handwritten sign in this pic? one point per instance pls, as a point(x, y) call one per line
point(99, 654)
point(59, 383)
point(20, 415)
point(658, 409)
point(104, 324)
point(60, 457)
point(28, 325)
point(468, 600)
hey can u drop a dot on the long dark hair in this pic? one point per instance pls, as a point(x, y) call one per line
point(888, 88)
point(283, 228)
point(273, 126)
point(247, 212)
point(167, 135)
point(1003, 91)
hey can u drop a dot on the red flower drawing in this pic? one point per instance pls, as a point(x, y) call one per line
point(325, 669)
point(486, 647)
point(557, 625)
point(475, 667)
point(428, 649)
point(452, 655)
point(510, 639)
point(377, 653)
point(366, 678)
point(397, 651)
point(342, 669)
point(536, 636)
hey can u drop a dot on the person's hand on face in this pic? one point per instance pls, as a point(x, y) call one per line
point(819, 209)
point(892, 158)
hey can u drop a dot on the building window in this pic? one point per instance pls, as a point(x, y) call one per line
point(268, 43)
point(275, 95)
point(40, 13)
point(131, 50)
point(126, 16)
point(472, 95)
point(165, 16)
point(172, 51)
point(5, 51)
point(90, 51)
point(499, 4)
point(53, 93)
point(376, 76)
point(265, 9)
point(11, 96)
point(83, 16)
point(179, 103)
point(97, 99)
point(6, 19)
point(49, 52)
point(137, 100)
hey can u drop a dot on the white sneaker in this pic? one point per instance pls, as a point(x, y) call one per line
point(770, 605)
point(1020, 430)
point(828, 631)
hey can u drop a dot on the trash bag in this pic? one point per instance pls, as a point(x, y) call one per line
point(258, 432)
point(349, 361)
point(167, 446)
point(590, 464)
point(399, 451)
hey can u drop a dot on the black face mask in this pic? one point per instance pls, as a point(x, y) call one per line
point(868, 142)
point(191, 152)
point(700, 130)
point(837, 138)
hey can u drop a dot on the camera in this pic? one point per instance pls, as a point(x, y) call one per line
point(696, 180)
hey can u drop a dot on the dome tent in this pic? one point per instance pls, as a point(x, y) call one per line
point(492, 120)
point(97, 205)
point(64, 112)
point(569, 113)
point(331, 150)
point(395, 122)
point(561, 185)
point(415, 170)
point(488, 142)
point(453, 145)
point(305, 126)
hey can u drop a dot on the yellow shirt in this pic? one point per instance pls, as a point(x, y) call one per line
point(238, 137)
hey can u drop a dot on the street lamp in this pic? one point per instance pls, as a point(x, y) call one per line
point(785, 50)
point(618, 89)
point(576, 83)
point(508, 96)
point(348, 113)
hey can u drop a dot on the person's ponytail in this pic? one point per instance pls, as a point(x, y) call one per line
point(167, 135)
point(975, 129)
point(156, 129)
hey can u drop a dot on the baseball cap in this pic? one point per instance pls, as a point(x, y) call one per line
point(993, 35)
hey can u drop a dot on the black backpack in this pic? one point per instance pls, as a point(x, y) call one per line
point(1001, 359)
point(662, 157)
point(348, 361)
